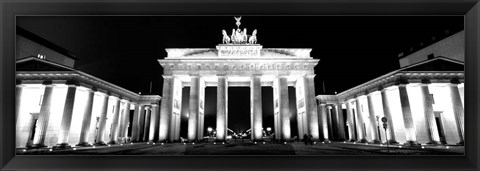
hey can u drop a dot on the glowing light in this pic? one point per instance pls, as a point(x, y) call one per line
point(109, 145)
point(447, 147)
point(148, 142)
point(93, 147)
point(209, 129)
point(193, 143)
point(381, 144)
point(399, 146)
point(162, 143)
point(121, 144)
point(50, 150)
point(255, 142)
point(366, 143)
point(344, 142)
point(223, 142)
point(24, 150)
point(214, 143)
point(153, 143)
point(314, 142)
point(269, 129)
point(323, 142)
point(284, 142)
point(184, 143)
point(74, 148)
point(354, 142)
point(423, 147)
point(131, 143)
point(263, 142)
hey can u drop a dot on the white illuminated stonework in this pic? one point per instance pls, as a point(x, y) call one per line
point(239, 64)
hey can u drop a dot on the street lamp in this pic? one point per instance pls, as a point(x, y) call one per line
point(210, 129)
point(269, 129)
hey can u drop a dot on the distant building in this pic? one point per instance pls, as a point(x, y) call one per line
point(423, 101)
point(59, 106)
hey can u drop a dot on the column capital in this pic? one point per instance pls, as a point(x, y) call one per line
point(167, 76)
point(114, 97)
point(18, 82)
point(401, 81)
point(124, 100)
point(425, 81)
point(72, 83)
point(154, 105)
point(47, 83)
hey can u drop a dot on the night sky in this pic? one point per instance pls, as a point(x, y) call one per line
point(352, 49)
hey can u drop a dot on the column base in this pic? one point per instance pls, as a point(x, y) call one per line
point(362, 141)
point(375, 142)
point(36, 146)
point(393, 142)
point(412, 144)
point(62, 146)
point(352, 140)
point(112, 143)
point(434, 143)
point(101, 143)
point(461, 143)
point(84, 144)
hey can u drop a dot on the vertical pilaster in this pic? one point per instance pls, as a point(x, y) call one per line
point(311, 106)
point(256, 108)
point(351, 125)
point(44, 116)
point(87, 118)
point(153, 135)
point(329, 121)
point(194, 107)
point(166, 107)
point(458, 110)
point(340, 123)
point(433, 136)
point(360, 123)
point(282, 119)
point(222, 90)
point(124, 120)
point(407, 116)
point(103, 120)
point(66, 117)
point(115, 122)
point(372, 118)
point(324, 121)
point(388, 115)
point(146, 128)
point(141, 123)
point(135, 123)
point(18, 95)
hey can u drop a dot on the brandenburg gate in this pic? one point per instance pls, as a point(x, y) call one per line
point(238, 62)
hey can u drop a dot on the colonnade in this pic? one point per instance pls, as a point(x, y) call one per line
point(357, 132)
point(306, 104)
point(145, 122)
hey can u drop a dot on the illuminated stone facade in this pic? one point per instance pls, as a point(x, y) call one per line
point(423, 101)
point(58, 106)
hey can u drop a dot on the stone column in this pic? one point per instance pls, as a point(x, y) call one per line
point(311, 107)
point(387, 114)
point(136, 123)
point(18, 101)
point(44, 116)
point(433, 136)
point(102, 122)
point(67, 116)
point(351, 125)
point(146, 126)
point(283, 118)
point(359, 119)
point(373, 120)
point(115, 121)
point(153, 133)
point(222, 90)
point(124, 120)
point(458, 110)
point(340, 123)
point(166, 106)
point(324, 121)
point(141, 123)
point(194, 107)
point(329, 121)
point(256, 108)
point(87, 118)
point(407, 116)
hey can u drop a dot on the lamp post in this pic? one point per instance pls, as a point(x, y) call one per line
point(209, 129)
point(269, 129)
point(384, 120)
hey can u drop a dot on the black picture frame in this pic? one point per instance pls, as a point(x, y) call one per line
point(9, 9)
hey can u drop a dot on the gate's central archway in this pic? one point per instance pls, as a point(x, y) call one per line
point(239, 62)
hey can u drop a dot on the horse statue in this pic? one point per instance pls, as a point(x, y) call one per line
point(253, 39)
point(226, 39)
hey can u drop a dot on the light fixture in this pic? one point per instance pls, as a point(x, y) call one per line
point(50, 150)
point(24, 150)
point(153, 143)
point(74, 148)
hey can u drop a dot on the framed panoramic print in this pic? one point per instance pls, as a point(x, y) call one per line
point(239, 85)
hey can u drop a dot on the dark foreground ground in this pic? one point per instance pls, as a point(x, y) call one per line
point(247, 148)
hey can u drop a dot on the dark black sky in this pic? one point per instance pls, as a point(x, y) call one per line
point(352, 49)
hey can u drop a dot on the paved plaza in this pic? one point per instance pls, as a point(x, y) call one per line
point(248, 148)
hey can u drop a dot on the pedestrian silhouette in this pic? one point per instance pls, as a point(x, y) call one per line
point(305, 139)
